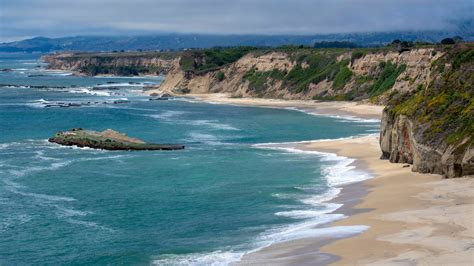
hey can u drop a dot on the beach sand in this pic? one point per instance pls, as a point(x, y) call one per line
point(413, 218)
point(342, 108)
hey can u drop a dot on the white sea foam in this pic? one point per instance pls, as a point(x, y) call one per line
point(68, 212)
point(345, 118)
point(89, 224)
point(168, 115)
point(213, 124)
point(215, 258)
point(306, 214)
point(303, 230)
point(208, 139)
point(138, 84)
point(31, 169)
point(39, 196)
point(171, 116)
point(59, 73)
point(89, 92)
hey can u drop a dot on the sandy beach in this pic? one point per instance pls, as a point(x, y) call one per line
point(354, 109)
point(412, 218)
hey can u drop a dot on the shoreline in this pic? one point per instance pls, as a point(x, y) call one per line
point(411, 217)
point(356, 110)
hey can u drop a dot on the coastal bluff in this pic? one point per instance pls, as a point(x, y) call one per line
point(106, 140)
point(427, 90)
point(123, 64)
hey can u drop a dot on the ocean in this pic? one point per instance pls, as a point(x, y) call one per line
point(239, 185)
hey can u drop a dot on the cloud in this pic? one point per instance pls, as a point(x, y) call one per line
point(65, 18)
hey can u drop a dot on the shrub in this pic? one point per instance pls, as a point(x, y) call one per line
point(220, 76)
point(341, 78)
point(446, 41)
point(387, 77)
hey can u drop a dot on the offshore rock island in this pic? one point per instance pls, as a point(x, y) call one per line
point(106, 140)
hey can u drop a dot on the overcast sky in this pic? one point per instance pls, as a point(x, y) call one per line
point(53, 18)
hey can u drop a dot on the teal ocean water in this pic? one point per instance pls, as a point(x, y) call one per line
point(235, 188)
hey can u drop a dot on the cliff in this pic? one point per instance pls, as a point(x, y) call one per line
point(130, 63)
point(432, 127)
point(304, 73)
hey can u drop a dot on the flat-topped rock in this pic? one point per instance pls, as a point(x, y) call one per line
point(106, 140)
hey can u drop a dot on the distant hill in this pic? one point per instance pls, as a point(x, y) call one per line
point(183, 41)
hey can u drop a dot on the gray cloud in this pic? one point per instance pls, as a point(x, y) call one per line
point(24, 18)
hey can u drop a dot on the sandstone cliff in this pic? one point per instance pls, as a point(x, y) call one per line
point(432, 127)
point(113, 63)
point(311, 74)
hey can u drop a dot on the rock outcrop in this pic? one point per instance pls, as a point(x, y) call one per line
point(433, 127)
point(106, 140)
point(400, 143)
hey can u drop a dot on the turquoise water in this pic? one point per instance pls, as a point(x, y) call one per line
point(227, 193)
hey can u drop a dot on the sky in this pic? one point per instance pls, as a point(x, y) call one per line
point(21, 19)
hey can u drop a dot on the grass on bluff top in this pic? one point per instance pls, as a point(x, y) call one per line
point(201, 61)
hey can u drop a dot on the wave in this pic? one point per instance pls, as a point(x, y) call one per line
point(220, 257)
point(31, 169)
point(125, 84)
point(46, 197)
point(340, 172)
point(58, 73)
point(345, 118)
point(213, 124)
point(89, 92)
point(167, 115)
point(212, 258)
point(208, 139)
point(170, 116)
point(89, 224)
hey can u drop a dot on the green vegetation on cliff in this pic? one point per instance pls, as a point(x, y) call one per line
point(93, 70)
point(444, 110)
point(387, 77)
point(200, 61)
point(312, 66)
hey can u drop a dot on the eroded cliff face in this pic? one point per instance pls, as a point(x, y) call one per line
point(233, 80)
point(400, 144)
point(363, 73)
point(112, 63)
point(432, 127)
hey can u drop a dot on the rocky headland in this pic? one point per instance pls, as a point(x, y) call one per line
point(106, 140)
